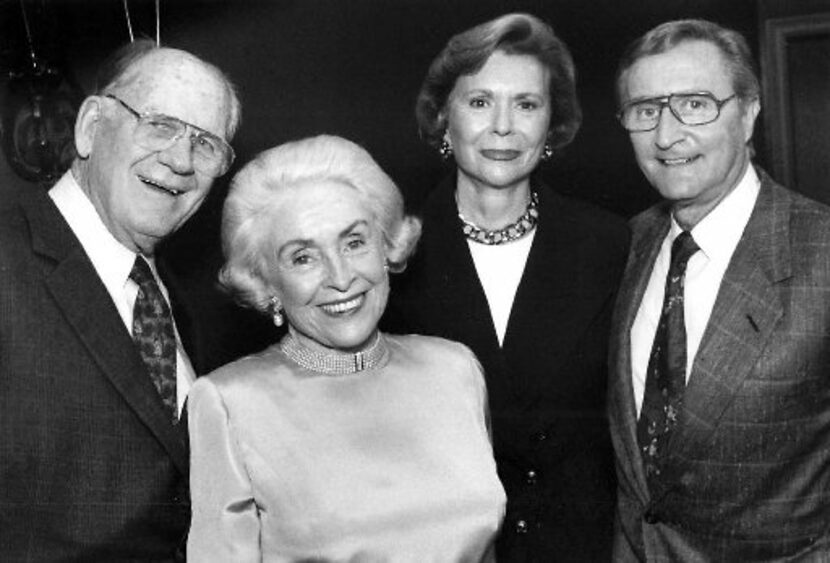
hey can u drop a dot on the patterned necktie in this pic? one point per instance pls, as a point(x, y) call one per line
point(666, 375)
point(154, 335)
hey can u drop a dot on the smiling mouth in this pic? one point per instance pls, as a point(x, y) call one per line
point(342, 308)
point(677, 161)
point(160, 187)
point(500, 154)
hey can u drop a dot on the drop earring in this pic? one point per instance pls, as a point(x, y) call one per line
point(445, 150)
point(547, 152)
point(276, 311)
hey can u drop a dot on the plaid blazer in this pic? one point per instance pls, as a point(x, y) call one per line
point(748, 467)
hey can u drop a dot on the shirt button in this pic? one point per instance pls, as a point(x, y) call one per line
point(521, 527)
point(530, 477)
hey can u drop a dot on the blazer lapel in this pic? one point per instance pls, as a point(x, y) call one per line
point(88, 307)
point(457, 296)
point(648, 235)
point(745, 312)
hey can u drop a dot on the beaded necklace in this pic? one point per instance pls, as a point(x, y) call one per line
point(334, 362)
point(523, 225)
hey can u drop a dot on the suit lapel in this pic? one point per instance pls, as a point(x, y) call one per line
point(456, 295)
point(88, 308)
point(744, 315)
point(648, 235)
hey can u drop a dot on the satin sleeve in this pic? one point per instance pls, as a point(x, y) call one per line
point(481, 387)
point(225, 525)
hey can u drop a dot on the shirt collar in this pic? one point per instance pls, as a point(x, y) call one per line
point(112, 260)
point(718, 233)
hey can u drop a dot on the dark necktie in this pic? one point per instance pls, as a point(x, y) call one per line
point(666, 375)
point(154, 335)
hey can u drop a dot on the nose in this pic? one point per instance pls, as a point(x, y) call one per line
point(669, 129)
point(179, 156)
point(502, 119)
point(340, 272)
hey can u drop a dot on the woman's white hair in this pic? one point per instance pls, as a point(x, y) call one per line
point(249, 217)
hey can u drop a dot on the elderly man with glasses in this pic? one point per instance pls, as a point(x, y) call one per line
point(93, 373)
point(719, 399)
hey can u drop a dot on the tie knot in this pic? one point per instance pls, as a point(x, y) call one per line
point(683, 247)
point(141, 273)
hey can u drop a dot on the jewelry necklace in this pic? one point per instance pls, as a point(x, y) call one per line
point(334, 362)
point(523, 225)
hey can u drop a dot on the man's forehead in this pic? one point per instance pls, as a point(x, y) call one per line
point(178, 84)
point(690, 65)
point(163, 65)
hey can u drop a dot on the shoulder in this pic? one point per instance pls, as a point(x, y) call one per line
point(443, 366)
point(584, 212)
point(586, 220)
point(246, 376)
point(808, 220)
point(14, 224)
point(421, 349)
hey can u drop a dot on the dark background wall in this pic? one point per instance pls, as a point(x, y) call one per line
point(353, 67)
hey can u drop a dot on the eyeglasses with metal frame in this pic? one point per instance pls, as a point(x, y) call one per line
point(690, 108)
point(212, 155)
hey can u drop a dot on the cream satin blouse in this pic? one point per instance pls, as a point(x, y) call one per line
point(392, 463)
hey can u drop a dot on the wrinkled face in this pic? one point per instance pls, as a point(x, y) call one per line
point(497, 121)
point(144, 196)
point(694, 167)
point(329, 273)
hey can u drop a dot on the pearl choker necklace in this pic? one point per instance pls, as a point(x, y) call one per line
point(525, 224)
point(334, 362)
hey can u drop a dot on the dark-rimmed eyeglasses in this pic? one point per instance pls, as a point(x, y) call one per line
point(155, 132)
point(697, 108)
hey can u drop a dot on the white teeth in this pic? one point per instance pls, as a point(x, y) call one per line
point(156, 185)
point(675, 161)
point(338, 308)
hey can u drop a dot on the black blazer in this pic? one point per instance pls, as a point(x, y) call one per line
point(547, 383)
point(90, 467)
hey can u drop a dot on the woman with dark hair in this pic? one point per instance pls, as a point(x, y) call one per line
point(525, 277)
point(338, 443)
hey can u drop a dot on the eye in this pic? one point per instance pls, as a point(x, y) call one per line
point(302, 258)
point(696, 104)
point(355, 242)
point(161, 126)
point(528, 105)
point(478, 103)
point(205, 144)
point(646, 111)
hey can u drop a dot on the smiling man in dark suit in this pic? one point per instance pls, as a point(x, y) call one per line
point(719, 397)
point(93, 374)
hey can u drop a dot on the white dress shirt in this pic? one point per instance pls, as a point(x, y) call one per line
point(717, 235)
point(113, 263)
point(500, 268)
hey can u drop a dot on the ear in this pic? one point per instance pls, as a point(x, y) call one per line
point(446, 137)
point(751, 110)
point(86, 124)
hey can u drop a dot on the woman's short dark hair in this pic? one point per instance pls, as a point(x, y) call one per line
point(667, 36)
point(467, 52)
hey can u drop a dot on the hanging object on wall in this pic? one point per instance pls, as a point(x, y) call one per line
point(39, 117)
point(130, 23)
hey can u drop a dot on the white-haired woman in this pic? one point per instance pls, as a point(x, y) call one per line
point(339, 443)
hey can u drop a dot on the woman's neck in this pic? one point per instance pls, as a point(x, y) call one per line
point(491, 208)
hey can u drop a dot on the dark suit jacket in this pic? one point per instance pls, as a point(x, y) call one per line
point(90, 467)
point(546, 384)
point(748, 470)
